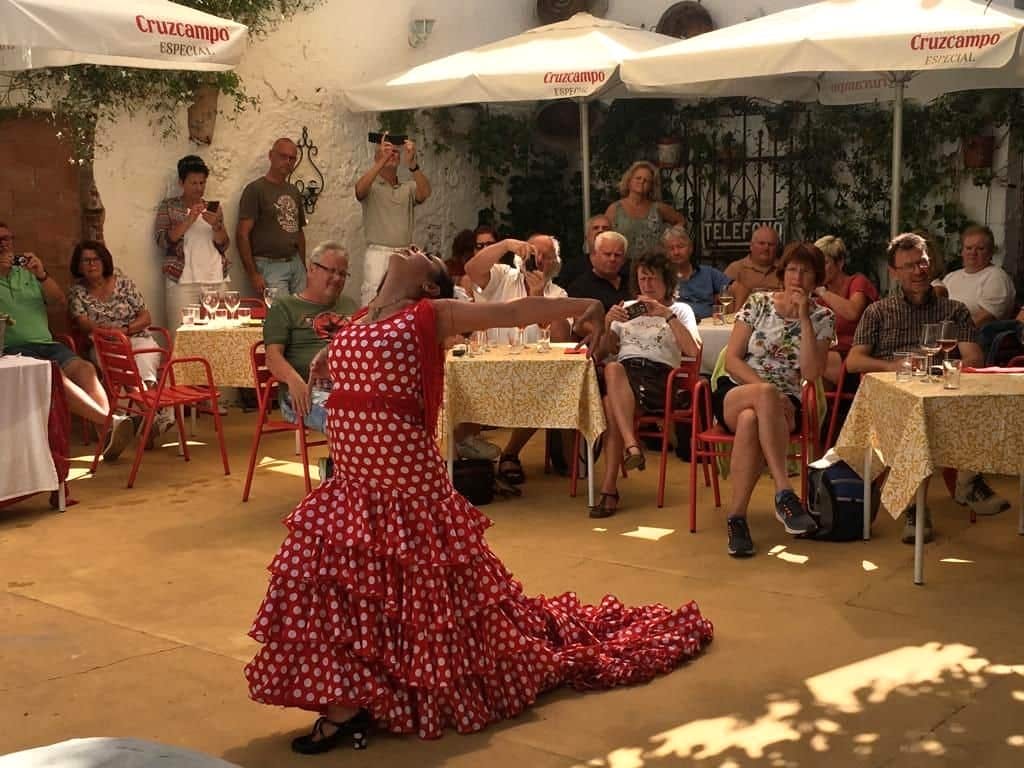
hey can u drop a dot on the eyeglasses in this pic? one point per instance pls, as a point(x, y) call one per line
point(481, 246)
point(339, 273)
point(91, 260)
point(914, 266)
point(799, 269)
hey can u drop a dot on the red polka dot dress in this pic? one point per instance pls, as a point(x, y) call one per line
point(384, 594)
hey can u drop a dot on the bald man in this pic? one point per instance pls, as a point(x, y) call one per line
point(756, 270)
point(270, 221)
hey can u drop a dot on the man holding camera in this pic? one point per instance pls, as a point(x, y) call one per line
point(26, 289)
point(534, 265)
point(270, 221)
point(388, 216)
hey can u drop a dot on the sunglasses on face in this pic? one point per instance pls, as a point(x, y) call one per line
point(484, 244)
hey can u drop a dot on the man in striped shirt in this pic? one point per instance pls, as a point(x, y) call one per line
point(894, 325)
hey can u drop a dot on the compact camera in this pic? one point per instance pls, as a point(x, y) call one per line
point(397, 139)
point(635, 310)
point(20, 260)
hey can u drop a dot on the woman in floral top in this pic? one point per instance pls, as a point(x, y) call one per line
point(779, 339)
point(104, 298)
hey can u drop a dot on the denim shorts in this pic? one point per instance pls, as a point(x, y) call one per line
point(53, 351)
point(316, 418)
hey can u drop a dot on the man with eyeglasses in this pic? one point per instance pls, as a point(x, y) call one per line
point(26, 291)
point(893, 324)
point(270, 221)
point(291, 340)
point(388, 208)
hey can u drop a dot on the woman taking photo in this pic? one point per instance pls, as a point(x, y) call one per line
point(639, 215)
point(386, 606)
point(779, 339)
point(191, 234)
point(648, 338)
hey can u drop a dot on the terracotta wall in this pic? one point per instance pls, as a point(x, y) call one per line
point(39, 196)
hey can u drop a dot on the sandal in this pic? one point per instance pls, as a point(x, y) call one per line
point(315, 742)
point(602, 508)
point(511, 469)
point(634, 459)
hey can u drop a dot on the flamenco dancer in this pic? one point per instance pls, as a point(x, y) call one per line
point(386, 607)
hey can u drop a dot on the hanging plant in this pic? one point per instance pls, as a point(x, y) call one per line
point(79, 97)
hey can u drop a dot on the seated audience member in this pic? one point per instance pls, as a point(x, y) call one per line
point(604, 280)
point(779, 340)
point(847, 296)
point(696, 284)
point(893, 324)
point(102, 298)
point(758, 270)
point(291, 340)
point(985, 288)
point(462, 251)
point(575, 266)
point(26, 290)
point(646, 348)
point(193, 241)
point(536, 264)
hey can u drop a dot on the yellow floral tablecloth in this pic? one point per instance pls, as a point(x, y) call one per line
point(531, 389)
point(226, 348)
point(916, 427)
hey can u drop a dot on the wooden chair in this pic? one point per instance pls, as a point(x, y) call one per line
point(711, 442)
point(266, 389)
point(128, 393)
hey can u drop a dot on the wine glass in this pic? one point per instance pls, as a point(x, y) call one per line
point(725, 299)
point(947, 339)
point(232, 301)
point(929, 345)
point(211, 300)
point(269, 294)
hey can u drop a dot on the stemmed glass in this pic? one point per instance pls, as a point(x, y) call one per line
point(232, 301)
point(947, 339)
point(211, 300)
point(269, 294)
point(930, 345)
point(725, 299)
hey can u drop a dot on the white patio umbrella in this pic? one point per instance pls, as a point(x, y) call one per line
point(574, 59)
point(155, 34)
point(845, 51)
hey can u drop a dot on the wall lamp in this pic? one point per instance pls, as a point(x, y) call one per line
point(419, 31)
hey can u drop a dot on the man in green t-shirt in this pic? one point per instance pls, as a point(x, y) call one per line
point(291, 341)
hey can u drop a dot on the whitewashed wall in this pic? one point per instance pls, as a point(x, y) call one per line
point(298, 72)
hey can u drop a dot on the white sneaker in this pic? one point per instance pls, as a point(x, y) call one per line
point(121, 433)
point(474, 447)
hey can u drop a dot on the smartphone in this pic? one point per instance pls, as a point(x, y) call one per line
point(212, 206)
point(398, 139)
point(636, 309)
point(20, 260)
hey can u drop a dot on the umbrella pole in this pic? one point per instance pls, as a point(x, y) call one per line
point(585, 160)
point(897, 156)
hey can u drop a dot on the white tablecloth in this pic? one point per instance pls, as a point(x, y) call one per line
point(715, 338)
point(24, 411)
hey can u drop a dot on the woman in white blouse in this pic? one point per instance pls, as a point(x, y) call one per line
point(647, 337)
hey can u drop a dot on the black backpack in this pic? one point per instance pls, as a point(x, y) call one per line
point(474, 479)
point(835, 498)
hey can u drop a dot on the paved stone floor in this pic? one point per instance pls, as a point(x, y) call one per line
point(127, 616)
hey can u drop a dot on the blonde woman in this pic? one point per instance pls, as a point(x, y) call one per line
point(640, 215)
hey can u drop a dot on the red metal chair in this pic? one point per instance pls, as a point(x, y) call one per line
point(128, 393)
point(681, 380)
point(259, 309)
point(833, 399)
point(87, 427)
point(711, 442)
point(266, 389)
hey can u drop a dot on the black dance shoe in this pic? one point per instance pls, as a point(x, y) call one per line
point(354, 730)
